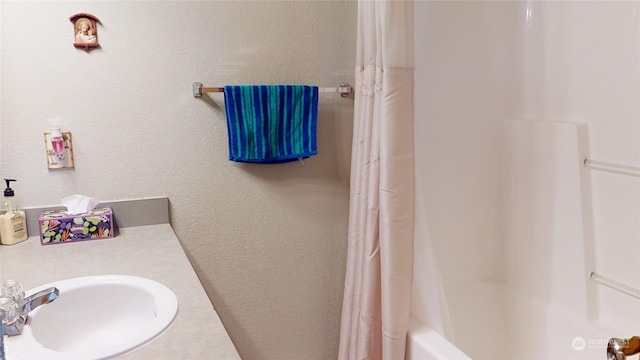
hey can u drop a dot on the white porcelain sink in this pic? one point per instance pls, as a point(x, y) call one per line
point(95, 317)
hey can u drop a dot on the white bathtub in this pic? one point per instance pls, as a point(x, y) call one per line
point(493, 322)
point(545, 308)
point(424, 343)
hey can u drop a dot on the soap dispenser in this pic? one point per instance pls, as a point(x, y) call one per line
point(13, 224)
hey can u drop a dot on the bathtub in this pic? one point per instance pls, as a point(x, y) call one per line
point(493, 322)
point(424, 343)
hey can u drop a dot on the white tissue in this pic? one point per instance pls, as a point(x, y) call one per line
point(79, 204)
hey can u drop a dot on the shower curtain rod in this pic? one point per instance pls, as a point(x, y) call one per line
point(198, 89)
point(614, 168)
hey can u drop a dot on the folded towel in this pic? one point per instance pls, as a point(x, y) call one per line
point(271, 123)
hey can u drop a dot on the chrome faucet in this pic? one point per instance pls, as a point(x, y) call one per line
point(14, 307)
point(619, 349)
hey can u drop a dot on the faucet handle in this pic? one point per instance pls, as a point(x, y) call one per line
point(12, 288)
point(9, 310)
point(632, 346)
point(619, 349)
point(13, 324)
point(11, 301)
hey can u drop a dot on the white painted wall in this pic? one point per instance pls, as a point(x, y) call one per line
point(480, 64)
point(268, 242)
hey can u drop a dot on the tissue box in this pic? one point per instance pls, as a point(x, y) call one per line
point(56, 226)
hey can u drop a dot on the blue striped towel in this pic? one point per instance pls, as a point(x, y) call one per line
point(271, 123)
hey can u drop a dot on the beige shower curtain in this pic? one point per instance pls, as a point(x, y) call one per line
point(377, 290)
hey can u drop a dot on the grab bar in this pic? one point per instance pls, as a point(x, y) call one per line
point(615, 285)
point(614, 168)
point(619, 349)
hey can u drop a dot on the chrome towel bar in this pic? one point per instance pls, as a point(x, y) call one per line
point(198, 89)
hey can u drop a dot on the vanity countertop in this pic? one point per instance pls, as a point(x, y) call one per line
point(151, 251)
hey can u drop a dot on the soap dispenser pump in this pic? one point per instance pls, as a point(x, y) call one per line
point(13, 224)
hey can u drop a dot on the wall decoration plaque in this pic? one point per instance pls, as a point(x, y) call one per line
point(85, 31)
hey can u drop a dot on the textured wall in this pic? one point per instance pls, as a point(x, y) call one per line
point(268, 242)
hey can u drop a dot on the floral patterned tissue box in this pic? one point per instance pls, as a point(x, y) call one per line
point(56, 226)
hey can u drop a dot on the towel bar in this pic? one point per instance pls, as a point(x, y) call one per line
point(198, 89)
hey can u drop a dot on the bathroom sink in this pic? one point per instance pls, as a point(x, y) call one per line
point(95, 317)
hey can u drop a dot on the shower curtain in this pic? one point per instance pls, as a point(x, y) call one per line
point(377, 293)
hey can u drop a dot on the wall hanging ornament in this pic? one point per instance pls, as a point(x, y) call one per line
point(85, 31)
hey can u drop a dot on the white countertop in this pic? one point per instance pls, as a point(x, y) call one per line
point(152, 252)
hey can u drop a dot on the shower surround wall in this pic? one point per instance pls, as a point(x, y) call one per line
point(478, 66)
point(580, 62)
point(464, 54)
point(268, 242)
